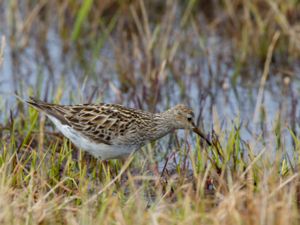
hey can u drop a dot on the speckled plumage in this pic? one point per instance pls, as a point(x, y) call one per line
point(113, 131)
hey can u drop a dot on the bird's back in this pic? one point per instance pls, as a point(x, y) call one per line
point(93, 127)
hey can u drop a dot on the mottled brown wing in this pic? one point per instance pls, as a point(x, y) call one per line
point(102, 123)
point(83, 118)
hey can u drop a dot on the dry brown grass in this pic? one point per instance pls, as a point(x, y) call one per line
point(158, 49)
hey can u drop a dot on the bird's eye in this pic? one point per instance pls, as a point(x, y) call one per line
point(189, 119)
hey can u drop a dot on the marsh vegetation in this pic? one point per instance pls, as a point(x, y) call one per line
point(236, 63)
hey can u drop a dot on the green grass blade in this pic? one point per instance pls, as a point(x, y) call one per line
point(81, 16)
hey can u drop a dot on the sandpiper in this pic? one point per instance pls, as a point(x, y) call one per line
point(109, 131)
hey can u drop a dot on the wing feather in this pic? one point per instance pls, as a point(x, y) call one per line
point(102, 123)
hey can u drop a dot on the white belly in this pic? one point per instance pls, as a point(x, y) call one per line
point(98, 150)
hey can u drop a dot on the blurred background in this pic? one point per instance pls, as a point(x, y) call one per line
point(236, 63)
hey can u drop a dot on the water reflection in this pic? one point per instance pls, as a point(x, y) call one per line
point(205, 80)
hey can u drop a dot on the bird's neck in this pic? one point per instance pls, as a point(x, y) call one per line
point(162, 125)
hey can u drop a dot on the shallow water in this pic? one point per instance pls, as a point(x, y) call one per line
point(206, 84)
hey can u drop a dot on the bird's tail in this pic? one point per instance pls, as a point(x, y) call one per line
point(38, 104)
point(48, 108)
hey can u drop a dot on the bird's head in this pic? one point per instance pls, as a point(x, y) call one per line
point(184, 118)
